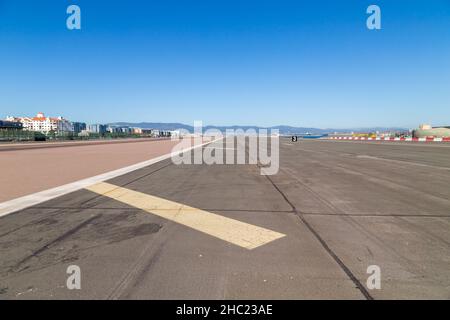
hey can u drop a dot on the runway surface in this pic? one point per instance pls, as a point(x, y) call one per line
point(171, 231)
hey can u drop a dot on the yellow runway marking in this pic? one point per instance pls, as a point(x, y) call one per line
point(239, 233)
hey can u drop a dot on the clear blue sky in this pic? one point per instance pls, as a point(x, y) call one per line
point(301, 63)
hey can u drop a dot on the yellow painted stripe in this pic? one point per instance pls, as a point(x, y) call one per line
point(239, 233)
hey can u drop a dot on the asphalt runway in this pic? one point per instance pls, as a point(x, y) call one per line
point(171, 231)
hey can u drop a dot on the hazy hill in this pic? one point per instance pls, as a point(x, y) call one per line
point(282, 129)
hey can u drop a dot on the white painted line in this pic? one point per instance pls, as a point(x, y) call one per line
point(402, 162)
point(21, 203)
point(219, 148)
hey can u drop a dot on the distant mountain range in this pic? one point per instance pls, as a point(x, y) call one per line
point(282, 129)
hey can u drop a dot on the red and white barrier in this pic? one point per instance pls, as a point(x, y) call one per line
point(428, 139)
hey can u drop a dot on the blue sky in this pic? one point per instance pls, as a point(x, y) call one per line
point(301, 63)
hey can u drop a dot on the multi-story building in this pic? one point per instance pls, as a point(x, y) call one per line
point(164, 133)
point(10, 125)
point(120, 129)
point(142, 131)
point(425, 130)
point(112, 129)
point(96, 128)
point(78, 127)
point(64, 125)
point(126, 130)
point(44, 124)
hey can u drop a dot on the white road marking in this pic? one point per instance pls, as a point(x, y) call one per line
point(21, 203)
point(363, 156)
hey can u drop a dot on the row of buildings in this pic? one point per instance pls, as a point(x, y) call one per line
point(61, 126)
point(41, 123)
point(424, 131)
point(103, 129)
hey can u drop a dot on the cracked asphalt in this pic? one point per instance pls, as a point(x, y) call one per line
point(343, 206)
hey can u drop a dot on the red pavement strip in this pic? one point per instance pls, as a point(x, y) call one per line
point(33, 176)
point(430, 139)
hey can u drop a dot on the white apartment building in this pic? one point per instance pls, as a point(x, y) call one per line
point(44, 124)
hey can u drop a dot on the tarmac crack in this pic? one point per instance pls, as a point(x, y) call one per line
point(350, 219)
point(335, 257)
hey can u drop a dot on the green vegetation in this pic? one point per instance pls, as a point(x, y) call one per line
point(24, 135)
point(20, 135)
